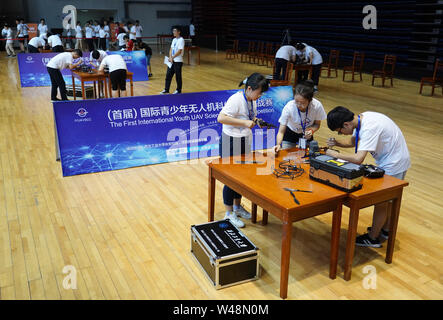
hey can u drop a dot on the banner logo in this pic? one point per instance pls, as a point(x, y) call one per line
point(82, 112)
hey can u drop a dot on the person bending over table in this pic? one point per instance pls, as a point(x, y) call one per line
point(238, 117)
point(300, 118)
point(377, 134)
point(96, 57)
point(35, 44)
point(117, 73)
point(61, 61)
point(282, 57)
point(314, 58)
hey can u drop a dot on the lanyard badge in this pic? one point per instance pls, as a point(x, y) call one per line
point(302, 141)
point(357, 134)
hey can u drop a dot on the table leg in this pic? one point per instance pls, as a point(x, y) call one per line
point(83, 91)
point(285, 258)
point(254, 213)
point(295, 77)
point(73, 87)
point(105, 86)
point(395, 212)
point(132, 88)
point(350, 242)
point(335, 241)
point(264, 220)
point(211, 196)
point(95, 89)
point(109, 87)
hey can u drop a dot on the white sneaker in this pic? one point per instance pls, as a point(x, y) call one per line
point(176, 92)
point(234, 219)
point(164, 92)
point(242, 213)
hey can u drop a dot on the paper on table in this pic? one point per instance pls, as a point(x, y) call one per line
point(166, 62)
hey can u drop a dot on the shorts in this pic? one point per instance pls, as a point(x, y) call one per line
point(118, 79)
point(148, 60)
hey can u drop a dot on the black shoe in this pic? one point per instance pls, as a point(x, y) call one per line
point(383, 234)
point(150, 75)
point(366, 241)
point(56, 99)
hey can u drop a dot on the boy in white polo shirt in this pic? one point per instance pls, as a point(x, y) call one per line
point(282, 57)
point(36, 43)
point(176, 58)
point(117, 73)
point(375, 133)
point(59, 62)
point(56, 43)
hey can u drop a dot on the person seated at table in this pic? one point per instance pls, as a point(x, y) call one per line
point(377, 134)
point(312, 57)
point(282, 57)
point(59, 62)
point(300, 118)
point(36, 43)
point(238, 117)
point(55, 43)
point(117, 73)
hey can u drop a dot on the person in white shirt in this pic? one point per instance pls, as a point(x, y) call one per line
point(42, 28)
point(59, 62)
point(283, 55)
point(374, 133)
point(300, 118)
point(117, 73)
point(138, 31)
point(95, 59)
point(192, 33)
point(239, 116)
point(314, 58)
point(121, 39)
point(56, 43)
point(176, 58)
point(25, 29)
point(7, 31)
point(79, 44)
point(102, 37)
point(19, 35)
point(132, 31)
point(89, 36)
point(107, 33)
point(95, 34)
point(36, 43)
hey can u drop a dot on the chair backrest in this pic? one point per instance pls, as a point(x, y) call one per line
point(333, 57)
point(389, 64)
point(438, 67)
point(260, 47)
point(235, 46)
point(268, 49)
point(251, 46)
point(357, 62)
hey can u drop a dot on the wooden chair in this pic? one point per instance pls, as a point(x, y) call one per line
point(247, 54)
point(332, 62)
point(233, 52)
point(436, 80)
point(356, 67)
point(287, 79)
point(388, 70)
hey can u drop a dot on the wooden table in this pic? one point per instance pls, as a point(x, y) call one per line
point(301, 67)
point(88, 77)
point(188, 50)
point(266, 190)
point(374, 191)
point(129, 75)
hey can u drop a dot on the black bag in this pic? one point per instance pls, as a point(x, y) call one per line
point(372, 171)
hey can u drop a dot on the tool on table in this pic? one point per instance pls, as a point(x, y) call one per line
point(293, 196)
point(297, 190)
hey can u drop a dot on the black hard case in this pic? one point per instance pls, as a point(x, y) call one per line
point(337, 173)
point(226, 255)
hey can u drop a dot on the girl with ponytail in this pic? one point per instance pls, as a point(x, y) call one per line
point(238, 117)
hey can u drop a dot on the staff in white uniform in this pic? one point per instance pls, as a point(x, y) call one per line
point(176, 58)
point(314, 58)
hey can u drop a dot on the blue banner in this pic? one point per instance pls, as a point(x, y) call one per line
point(33, 72)
point(111, 134)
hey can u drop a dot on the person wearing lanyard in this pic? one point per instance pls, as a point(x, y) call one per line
point(176, 58)
point(238, 117)
point(377, 134)
point(300, 118)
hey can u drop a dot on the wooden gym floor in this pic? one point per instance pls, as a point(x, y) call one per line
point(127, 232)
